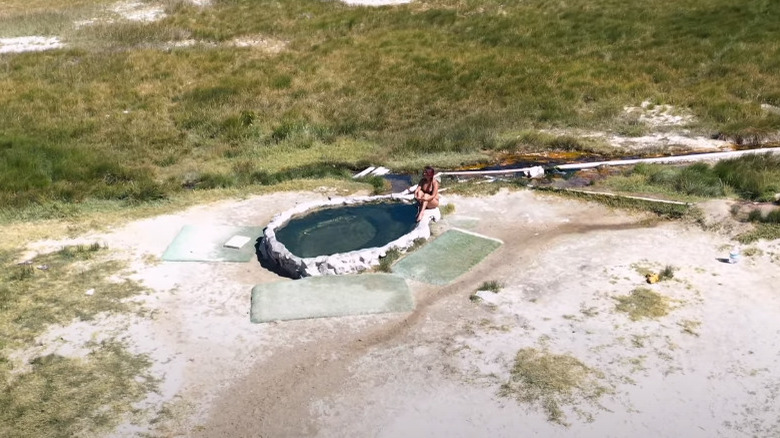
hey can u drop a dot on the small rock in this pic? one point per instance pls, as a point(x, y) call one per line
point(488, 297)
point(770, 108)
point(43, 267)
point(90, 291)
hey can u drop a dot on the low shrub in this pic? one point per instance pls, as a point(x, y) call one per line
point(386, 262)
point(492, 286)
point(755, 177)
point(761, 231)
point(773, 217)
point(699, 180)
point(667, 273)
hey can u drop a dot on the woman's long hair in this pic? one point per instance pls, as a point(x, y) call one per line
point(427, 172)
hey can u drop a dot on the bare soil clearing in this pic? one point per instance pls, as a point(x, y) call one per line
point(707, 368)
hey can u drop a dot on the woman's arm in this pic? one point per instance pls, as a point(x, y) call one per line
point(428, 197)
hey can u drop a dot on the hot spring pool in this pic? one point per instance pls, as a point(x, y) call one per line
point(340, 236)
point(344, 229)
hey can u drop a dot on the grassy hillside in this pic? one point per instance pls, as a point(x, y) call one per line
point(122, 113)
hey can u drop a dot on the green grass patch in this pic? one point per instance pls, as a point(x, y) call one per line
point(12, 9)
point(552, 381)
point(772, 217)
point(54, 219)
point(754, 177)
point(536, 141)
point(643, 303)
point(686, 183)
point(61, 397)
point(51, 289)
point(121, 115)
point(760, 232)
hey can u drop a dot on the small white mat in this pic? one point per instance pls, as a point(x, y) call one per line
point(237, 241)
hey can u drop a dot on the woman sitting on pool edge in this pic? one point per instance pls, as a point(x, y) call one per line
point(427, 193)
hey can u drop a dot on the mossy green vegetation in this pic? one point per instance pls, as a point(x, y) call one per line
point(122, 113)
point(552, 381)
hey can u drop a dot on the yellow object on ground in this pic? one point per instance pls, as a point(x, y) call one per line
point(652, 278)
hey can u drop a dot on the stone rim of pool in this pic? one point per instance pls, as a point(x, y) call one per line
point(340, 263)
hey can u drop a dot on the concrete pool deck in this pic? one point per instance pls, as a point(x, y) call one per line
point(447, 257)
point(329, 296)
point(207, 243)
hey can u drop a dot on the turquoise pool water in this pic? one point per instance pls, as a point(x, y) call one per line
point(343, 229)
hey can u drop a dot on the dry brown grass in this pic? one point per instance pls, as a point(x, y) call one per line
point(552, 381)
point(643, 303)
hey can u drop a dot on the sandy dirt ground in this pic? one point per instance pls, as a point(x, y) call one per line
point(709, 368)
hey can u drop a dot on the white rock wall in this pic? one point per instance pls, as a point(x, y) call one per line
point(341, 263)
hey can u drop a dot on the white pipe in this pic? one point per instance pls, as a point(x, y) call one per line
point(617, 195)
point(675, 159)
point(573, 166)
point(365, 172)
point(487, 172)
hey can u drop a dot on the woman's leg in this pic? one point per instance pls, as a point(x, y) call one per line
point(422, 206)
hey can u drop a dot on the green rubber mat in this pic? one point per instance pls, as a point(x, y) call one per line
point(331, 295)
point(206, 243)
point(446, 258)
